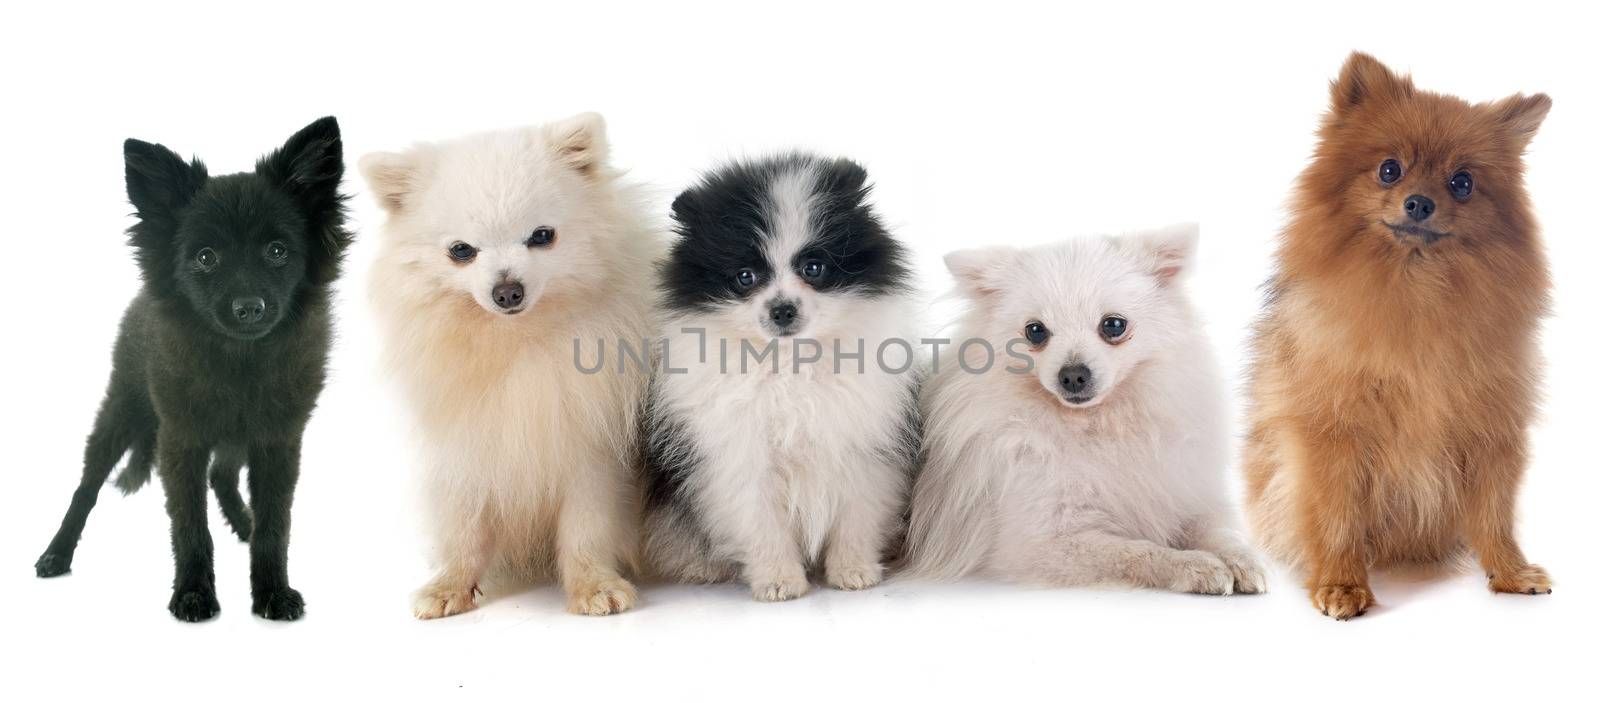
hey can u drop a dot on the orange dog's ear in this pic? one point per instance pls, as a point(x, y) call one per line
point(1522, 114)
point(1364, 79)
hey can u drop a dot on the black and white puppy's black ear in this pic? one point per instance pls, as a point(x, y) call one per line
point(309, 167)
point(159, 181)
point(845, 179)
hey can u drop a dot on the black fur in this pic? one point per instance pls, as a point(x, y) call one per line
point(231, 384)
point(722, 226)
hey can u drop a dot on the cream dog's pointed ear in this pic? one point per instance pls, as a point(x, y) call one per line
point(981, 271)
point(580, 141)
point(1168, 253)
point(394, 177)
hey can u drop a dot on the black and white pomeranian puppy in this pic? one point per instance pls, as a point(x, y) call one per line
point(221, 356)
point(781, 426)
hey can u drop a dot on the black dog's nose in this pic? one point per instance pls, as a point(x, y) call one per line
point(508, 295)
point(1075, 378)
point(1419, 207)
point(249, 310)
point(783, 314)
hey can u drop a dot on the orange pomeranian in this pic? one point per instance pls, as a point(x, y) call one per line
point(1396, 365)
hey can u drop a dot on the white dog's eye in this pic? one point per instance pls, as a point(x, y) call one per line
point(1036, 333)
point(813, 269)
point(542, 237)
point(1113, 328)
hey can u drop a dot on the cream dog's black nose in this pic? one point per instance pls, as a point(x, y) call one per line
point(508, 295)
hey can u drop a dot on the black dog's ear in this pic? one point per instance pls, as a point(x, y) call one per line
point(159, 182)
point(309, 167)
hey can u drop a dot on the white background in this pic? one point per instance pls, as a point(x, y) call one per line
point(981, 123)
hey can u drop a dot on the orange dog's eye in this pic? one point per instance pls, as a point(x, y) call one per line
point(1389, 172)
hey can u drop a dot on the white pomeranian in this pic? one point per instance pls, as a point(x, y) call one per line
point(502, 251)
point(1090, 448)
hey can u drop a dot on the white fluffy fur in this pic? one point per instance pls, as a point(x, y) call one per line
point(1126, 489)
point(529, 462)
point(798, 467)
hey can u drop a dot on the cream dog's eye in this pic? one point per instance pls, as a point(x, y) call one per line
point(1036, 333)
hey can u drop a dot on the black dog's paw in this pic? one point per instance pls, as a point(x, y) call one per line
point(282, 604)
point(50, 565)
point(194, 606)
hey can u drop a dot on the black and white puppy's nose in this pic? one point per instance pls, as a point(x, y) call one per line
point(508, 295)
point(1076, 379)
point(1419, 207)
point(249, 310)
point(783, 315)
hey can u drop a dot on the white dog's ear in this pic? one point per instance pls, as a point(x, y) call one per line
point(394, 177)
point(1167, 253)
point(580, 141)
point(981, 271)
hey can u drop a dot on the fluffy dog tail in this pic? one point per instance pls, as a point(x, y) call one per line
point(136, 474)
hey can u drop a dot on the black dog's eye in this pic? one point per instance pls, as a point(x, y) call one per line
point(542, 237)
point(1113, 328)
point(745, 278)
point(1036, 333)
point(1461, 185)
point(207, 258)
point(1389, 172)
point(813, 269)
point(276, 251)
point(463, 252)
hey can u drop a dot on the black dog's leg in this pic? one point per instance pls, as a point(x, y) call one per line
point(110, 438)
point(274, 469)
point(225, 467)
point(183, 476)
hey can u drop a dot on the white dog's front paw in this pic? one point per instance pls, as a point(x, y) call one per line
point(604, 598)
point(774, 584)
point(437, 602)
point(1195, 571)
point(855, 578)
point(1249, 576)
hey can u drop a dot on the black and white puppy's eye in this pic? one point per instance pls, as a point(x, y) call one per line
point(1036, 333)
point(1389, 172)
point(542, 237)
point(207, 259)
point(813, 270)
point(463, 252)
point(276, 251)
point(1461, 185)
point(745, 278)
point(1114, 328)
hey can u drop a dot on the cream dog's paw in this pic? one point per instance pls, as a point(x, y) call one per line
point(438, 602)
point(855, 578)
point(779, 589)
point(607, 597)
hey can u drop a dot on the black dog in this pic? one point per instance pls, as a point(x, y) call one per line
point(221, 356)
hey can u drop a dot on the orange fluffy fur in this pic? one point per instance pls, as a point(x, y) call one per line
point(1394, 378)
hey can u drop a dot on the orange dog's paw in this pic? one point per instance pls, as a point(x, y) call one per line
point(1342, 602)
point(1531, 580)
